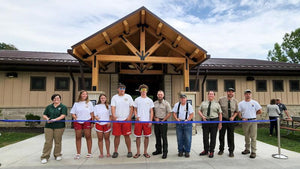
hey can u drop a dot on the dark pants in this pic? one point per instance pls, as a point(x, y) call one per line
point(161, 134)
point(273, 124)
point(229, 127)
point(209, 129)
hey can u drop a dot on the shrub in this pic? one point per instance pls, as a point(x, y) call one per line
point(31, 116)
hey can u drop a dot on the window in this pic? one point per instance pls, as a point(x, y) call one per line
point(261, 85)
point(294, 86)
point(192, 85)
point(87, 83)
point(277, 85)
point(38, 83)
point(62, 83)
point(212, 85)
point(229, 84)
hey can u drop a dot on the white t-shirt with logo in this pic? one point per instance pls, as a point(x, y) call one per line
point(82, 110)
point(102, 113)
point(143, 105)
point(182, 110)
point(249, 109)
point(122, 104)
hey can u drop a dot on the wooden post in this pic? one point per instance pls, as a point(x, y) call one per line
point(95, 74)
point(186, 75)
point(142, 41)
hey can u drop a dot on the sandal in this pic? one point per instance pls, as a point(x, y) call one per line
point(101, 156)
point(77, 157)
point(88, 156)
point(108, 155)
point(136, 155)
point(147, 155)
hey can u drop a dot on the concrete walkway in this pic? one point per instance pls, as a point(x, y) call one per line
point(26, 154)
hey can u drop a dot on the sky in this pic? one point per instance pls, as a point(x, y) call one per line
point(224, 28)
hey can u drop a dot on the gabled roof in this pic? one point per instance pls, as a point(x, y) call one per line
point(108, 40)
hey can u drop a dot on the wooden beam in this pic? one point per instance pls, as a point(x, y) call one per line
point(143, 16)
point(107, 38)
point(196, 51)
point(137, 72)
point(155, 47)
point(76, 53)
point(159, 28)
point(179, 68)
point(168, 43)
point(95, 74)
point(142, 41)
point(129, 45)
point(186, 75)
point(136, 59)
point(176, 42)
point(126, 27)
point(86, 49)
point(102, 66)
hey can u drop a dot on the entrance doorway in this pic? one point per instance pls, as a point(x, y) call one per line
point(132, 82)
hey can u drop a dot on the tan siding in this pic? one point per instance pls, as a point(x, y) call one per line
point(105, 83)
point(177, 87)
point(2, 77)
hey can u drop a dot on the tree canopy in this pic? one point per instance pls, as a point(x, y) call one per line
point(289, 50)
point(4, 46)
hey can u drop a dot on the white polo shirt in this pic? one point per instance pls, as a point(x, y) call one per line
point(122, 104)
point(82, 110)
point(143, 105)
point(102, 113)
point(249, 109)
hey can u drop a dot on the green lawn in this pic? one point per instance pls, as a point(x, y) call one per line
point(289, 142)
point(7, 138)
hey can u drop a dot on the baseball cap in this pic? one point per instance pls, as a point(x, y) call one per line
point(247, 91)
point(230, 89)
point(182, 95)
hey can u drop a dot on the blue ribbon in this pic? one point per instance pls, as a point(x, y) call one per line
point(176, 122)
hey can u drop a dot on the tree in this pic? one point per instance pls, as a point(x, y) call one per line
point(4, 46)
point(289, 50)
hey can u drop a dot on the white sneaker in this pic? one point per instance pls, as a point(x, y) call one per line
point(44, 161)
point(58, 158)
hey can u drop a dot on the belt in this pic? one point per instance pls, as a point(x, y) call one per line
point(212, 119)
point(252, 119)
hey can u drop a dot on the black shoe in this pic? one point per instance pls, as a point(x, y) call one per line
point(129, 154)
point(187, 154)
point(156, 152)
point(220, 152)
point(203, 153)
point(231, 154)
point(164, 156)
point(246, 152)
point(211, 155)
point(115, 155)
point(180, 154)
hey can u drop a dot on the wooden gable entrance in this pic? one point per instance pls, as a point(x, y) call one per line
point(141, 41)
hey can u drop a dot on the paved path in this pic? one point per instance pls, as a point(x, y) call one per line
point(26, 154)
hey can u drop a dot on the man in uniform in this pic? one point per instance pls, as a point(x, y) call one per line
point(162, 111)
point(229, 106)
point(282, 108)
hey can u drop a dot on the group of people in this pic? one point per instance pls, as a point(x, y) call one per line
point(122, 108)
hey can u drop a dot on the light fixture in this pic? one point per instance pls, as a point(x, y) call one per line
point(12, 74)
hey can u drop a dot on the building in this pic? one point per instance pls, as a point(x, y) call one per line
point(139, 48)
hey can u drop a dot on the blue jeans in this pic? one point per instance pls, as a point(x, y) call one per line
point(184, 137)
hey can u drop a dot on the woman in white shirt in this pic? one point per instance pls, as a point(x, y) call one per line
point(83, 111)
point(274, 112)
point(102, 113)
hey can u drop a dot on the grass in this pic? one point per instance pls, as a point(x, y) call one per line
point(7, 138)
point(289, 142)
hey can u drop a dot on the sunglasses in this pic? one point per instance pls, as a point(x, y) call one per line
point(143, 90)
point(122, 88)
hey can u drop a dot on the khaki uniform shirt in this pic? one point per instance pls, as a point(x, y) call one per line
point(215, 109)
point(162, 109)
point(223, 101)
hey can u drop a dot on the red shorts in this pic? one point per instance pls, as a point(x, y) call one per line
point(142, 127)
point(121, 129)
point(80, 126)
point(102, 128)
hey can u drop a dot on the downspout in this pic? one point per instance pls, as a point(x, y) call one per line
point(202, 86)
point(74, 84)
point(197, 79)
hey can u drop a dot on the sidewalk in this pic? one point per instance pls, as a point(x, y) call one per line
point(26, 154)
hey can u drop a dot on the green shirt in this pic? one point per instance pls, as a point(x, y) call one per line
point(215, 109)
point(223, 101)
point(53, 112)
